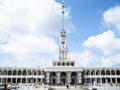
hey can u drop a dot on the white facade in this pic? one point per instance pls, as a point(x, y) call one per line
point(60, 75)
point(21, 75)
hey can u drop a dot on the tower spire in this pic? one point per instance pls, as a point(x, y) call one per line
point(63, 51)
point(63, 48)
point(63, 12)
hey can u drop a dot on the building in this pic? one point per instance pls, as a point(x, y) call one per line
point(62, 72)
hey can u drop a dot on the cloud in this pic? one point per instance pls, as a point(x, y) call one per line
point(85, 59)
point(105, 46)
point(106, 42)
point(27, 28)
point(111, 17)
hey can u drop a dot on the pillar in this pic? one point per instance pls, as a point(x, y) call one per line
point(85, 81)
point(21, 80)
point(47, 78)
point(116, 80)
point(68, 77)
point(58, 78)
point(79, 78)
point(111, 80)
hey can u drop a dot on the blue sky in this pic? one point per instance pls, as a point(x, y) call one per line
point(29, 32)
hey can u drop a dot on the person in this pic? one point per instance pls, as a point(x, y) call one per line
point(5, 87)
point(67, 86)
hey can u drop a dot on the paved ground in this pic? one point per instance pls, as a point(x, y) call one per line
point(70, 88)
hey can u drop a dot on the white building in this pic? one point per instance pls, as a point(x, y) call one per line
point(62, 72)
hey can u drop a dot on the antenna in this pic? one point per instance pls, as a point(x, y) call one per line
point(63, 12)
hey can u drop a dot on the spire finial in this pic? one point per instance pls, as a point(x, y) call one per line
point(63, 12)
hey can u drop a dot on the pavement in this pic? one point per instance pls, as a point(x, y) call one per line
point(70, 88)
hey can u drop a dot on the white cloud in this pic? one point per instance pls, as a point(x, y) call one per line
point(111, 17)
point(106, 46)
point(107, 42)
point(102, 49)
point(84, 59)
point(27, 27)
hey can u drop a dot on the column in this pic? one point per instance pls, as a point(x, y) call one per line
point(79, 78)
point(68, 77)
point(90, 80)
point(1, 80)
point(85, 83)
point(58, 78)
point(21, 80)
point(47, 77)
point(16, 80)
point(36, 80)
point(101, 81)
point(41, 79)
point(11, 79)
point(110, 79)
point(115, 79)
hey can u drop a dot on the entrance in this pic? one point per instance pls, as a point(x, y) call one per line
point(73, 81)
point(52, 78)
point(73, 78)
point(63, 78)
point(63, 81)
point(54, 81)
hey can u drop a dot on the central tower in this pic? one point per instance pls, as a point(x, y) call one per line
point(63, 59)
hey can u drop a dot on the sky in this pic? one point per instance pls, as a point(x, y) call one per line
point(29, 32)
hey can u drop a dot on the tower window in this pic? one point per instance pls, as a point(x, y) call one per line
point(62, 35)
point(67, 64)
point(63, 64)
point(72, 64)
point(58, 63)
point(63, 42)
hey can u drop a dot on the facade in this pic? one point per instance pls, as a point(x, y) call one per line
point(60, 75)
point(62, 72)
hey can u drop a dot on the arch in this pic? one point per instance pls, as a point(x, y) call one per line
point(98, 72)
point(24, 72)
point(42, 72)
point(63, 78)
point(29, 72)
point(14, 72)
point(73, 78)
point(63, 64)
point(117, 72)
point(102, 72)
point(53, 78)
point(19, 72)
point(59, 64)
point(34, 72)
point(0, 72)
point(67, 64)
point(5, 72)
point(23, 80)
point(14, 80)
point(18, 80)
point(38, 72)
point(9, 72)
point(107, 72)
point(112, 72)
point(93, 72)
point(72, 63)
point(88, 72)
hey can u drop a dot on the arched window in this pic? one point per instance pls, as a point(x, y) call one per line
point(108, 72)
